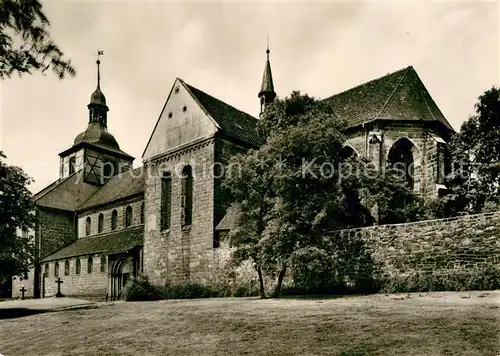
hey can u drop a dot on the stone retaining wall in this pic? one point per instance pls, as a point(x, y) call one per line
point(438, 246)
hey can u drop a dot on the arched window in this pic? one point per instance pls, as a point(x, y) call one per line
point(56, 269)
point(88, 223)
point(100, 223)
point(187, 196)
point(128, 216)
point(166, 197)
point(347, 152)
point(46, 273)
point(66, 268)
point(72, 164)
point(400, 160)
point(108, 170)
point(90, 262)
point(103, 263)
point(114, 217)
point(142, 213)
point(78, 266)
point(374, 150)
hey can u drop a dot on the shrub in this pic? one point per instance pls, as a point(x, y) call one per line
point(477, 278)
point(140, 289)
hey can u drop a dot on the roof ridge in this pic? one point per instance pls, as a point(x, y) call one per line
point(368, 82)
point(213, 97)
point(398, 86)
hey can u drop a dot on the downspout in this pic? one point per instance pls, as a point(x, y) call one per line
point(366, 140)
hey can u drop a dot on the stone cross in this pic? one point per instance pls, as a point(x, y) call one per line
point(22, 290)
point(59, 294)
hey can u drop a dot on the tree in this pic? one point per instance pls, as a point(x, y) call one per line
point(251, 181)
point(290, 191)
point(25, 43)
point(300, 186)
point(16, 205)
point(474, 183)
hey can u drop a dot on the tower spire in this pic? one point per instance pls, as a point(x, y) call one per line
point(267, 93)
point(97, 106)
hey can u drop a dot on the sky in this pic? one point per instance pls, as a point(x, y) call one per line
point(318, 48)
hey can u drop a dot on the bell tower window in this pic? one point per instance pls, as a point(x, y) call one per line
point(72, 163)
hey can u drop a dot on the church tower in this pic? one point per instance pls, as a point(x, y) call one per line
point(95, 150)
point(266, 94)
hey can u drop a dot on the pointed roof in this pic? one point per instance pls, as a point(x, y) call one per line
point(400, 95)
point(231, 220)
point(97, 96)
point(267, 85)
point(233, 122)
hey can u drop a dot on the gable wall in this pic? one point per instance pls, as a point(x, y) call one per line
point(182, 127)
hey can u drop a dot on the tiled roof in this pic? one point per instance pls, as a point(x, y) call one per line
point(233, 122)
point(230, 220)
point(121, 186)
point(111, 243)
point(66, 194)
point(396, 96)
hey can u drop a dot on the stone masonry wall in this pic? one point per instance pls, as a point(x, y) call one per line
point(27, 283)
point(88, 285)
point(180, 254)
point(56, 229)
point(424, 153)
point(135, 203)
point(431, 246)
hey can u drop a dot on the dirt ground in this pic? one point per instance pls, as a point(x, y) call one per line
point(465, 323)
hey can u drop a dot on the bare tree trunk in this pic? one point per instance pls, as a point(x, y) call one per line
point(261, 284)
point(281, 276)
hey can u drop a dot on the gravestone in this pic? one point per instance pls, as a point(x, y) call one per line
point(59, 294)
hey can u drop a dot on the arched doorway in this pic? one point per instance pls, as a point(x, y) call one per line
point(121, 273)
point(401, 160)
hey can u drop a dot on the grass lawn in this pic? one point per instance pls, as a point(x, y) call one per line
point(425, 324)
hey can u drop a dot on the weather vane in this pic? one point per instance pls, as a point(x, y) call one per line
point(99, 53)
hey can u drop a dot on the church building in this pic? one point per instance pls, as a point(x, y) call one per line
point(102, 222)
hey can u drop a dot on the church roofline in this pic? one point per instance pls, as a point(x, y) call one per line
point(44, 191)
